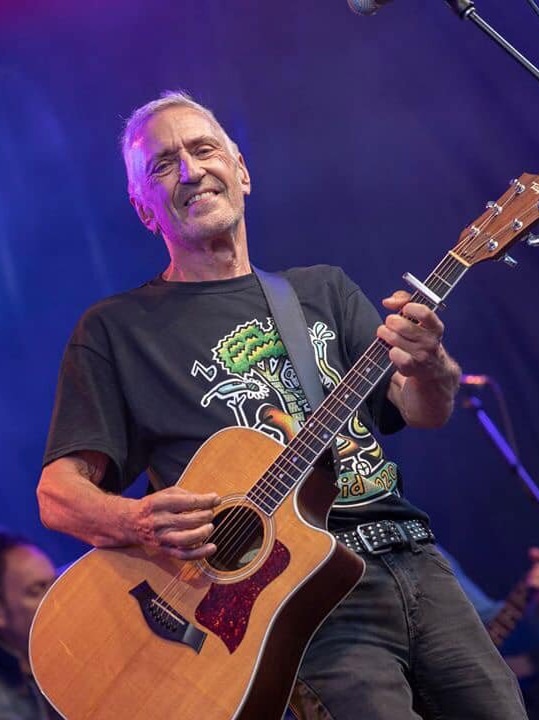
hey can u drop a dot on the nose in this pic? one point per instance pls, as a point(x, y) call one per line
point(191, 170)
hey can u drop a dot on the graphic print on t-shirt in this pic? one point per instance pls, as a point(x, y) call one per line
point(252, 375)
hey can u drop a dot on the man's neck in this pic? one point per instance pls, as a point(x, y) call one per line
point(215, 260)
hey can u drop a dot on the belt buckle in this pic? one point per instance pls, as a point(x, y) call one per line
point(369, 546)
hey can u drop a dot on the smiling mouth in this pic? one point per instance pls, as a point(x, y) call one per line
point(200, 196)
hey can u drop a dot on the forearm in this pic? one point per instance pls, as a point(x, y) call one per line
point(71, 501)
point(427, 400)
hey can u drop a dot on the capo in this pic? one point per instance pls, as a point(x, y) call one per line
point(424, 290)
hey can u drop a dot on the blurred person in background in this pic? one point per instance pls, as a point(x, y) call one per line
point(26, 573)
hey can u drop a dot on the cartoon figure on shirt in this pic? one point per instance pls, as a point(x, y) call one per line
point(255, 354)
point(256, 365)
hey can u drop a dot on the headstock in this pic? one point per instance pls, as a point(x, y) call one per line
point(503, 223)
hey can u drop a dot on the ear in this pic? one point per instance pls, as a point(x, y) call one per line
point(245, 179)
point(145, 214)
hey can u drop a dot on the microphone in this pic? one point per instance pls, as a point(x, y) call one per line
point(475, 380)
point(366, 7)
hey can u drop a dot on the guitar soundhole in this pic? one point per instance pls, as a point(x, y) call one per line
point(238, 534)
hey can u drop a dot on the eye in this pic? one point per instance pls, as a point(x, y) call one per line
point(203, 151)
point(162, 166)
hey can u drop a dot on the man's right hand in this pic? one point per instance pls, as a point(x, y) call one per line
point(177, 521)
point(71, 501)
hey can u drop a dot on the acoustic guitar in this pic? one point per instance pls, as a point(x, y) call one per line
point(133, 634)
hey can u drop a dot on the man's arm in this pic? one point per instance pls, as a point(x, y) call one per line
point(427, 378)
point(70, 500)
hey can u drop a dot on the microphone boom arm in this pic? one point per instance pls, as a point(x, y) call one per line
point(507, 452)
point(465, 9)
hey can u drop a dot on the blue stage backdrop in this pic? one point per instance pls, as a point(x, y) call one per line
point(372, 143)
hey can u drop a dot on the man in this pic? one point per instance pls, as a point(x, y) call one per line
point(26, 573)
point(150, 374)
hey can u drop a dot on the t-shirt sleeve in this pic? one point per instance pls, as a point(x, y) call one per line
point(89, 411)
point(361, 321)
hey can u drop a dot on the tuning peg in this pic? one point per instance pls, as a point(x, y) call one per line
point(532, 240)
point(519, 187)
point(491, 205)
point(510, 261)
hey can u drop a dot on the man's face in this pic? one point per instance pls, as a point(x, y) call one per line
point(192, 183)
point(28, 575)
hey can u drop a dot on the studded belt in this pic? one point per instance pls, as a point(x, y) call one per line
point(385, 535)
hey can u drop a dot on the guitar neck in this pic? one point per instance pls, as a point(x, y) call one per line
point(321, 428)
point(505, 620)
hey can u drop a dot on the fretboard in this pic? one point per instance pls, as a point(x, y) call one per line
point(322, 426)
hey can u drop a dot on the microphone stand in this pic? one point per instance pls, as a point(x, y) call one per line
point(474, 403)
point(465, 9)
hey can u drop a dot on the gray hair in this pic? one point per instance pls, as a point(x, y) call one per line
point(168, 99)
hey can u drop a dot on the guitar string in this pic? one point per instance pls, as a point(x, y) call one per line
point(247, 528)
point(281, 481)
point(230, 521)
point(279, 474)
point(463, 243)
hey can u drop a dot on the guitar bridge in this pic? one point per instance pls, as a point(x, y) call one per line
point(164, 620)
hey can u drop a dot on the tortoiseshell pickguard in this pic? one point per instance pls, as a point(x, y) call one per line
point(226, 608)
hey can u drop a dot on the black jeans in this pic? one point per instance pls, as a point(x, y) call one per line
point(407, 644)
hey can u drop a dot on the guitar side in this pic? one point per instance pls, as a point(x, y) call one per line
point(96, 655)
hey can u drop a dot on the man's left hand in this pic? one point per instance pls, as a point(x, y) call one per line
point(427, 379)
point(415, 333)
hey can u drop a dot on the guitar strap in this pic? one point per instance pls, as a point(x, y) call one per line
point(292, 326)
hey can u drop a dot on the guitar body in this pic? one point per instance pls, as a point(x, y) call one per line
point(132, 634)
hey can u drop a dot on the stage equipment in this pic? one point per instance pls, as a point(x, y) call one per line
point(465, 9)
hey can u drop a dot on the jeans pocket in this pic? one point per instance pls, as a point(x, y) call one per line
point(438, 558)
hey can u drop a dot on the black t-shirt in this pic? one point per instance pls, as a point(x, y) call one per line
point(150, 374)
